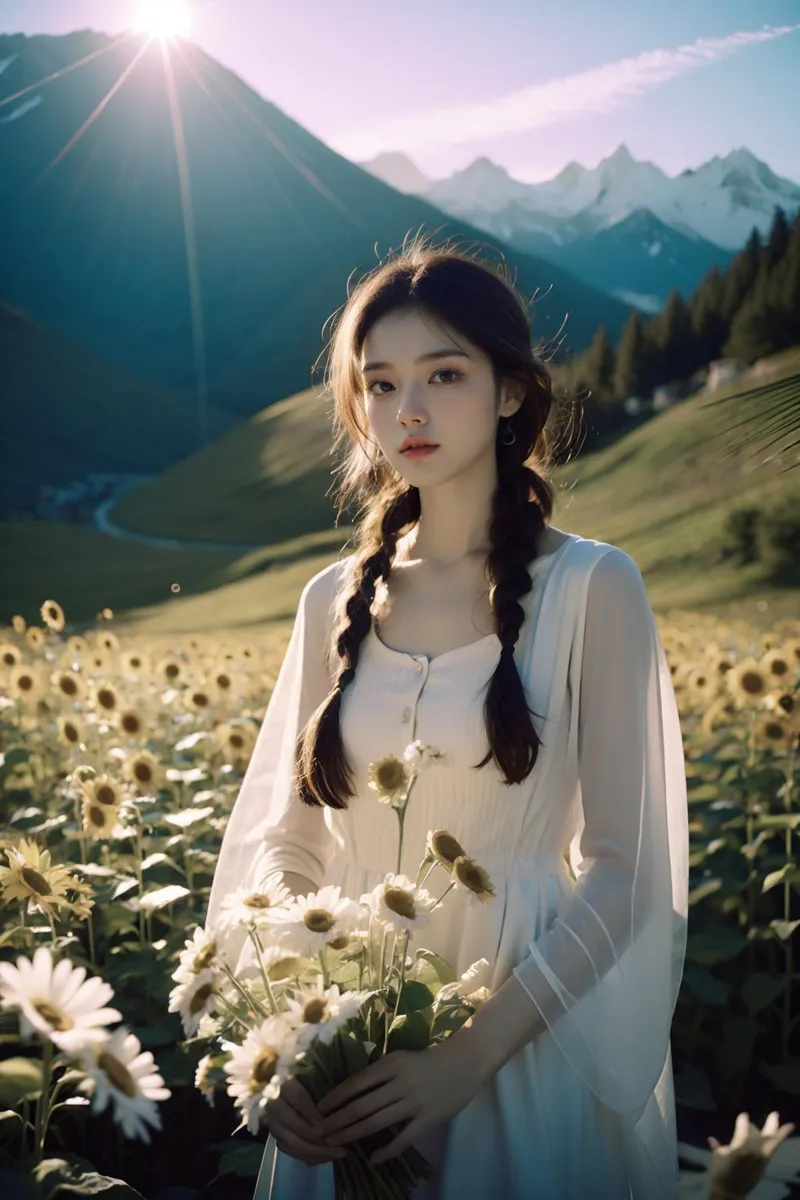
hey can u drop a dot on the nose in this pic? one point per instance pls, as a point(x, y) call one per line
point(410, 408)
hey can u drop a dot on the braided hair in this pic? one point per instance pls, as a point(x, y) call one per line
point(476, 299)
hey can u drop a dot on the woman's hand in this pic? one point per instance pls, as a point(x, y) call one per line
point(293, 1120)
point(423, 1087)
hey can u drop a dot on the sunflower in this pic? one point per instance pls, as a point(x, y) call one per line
point(68, 684)
point(130, 722)
point(773, 731)
point(236, 742)
point(35, 637)
point(76, 644)
point(701, 683)
point(19, 623)
point(389, 777)
point(107, 614)
point(124, 1076)
point(30, 876)
point(99, 661)
point(99, 820)
point(10, 655)
point(105, 697)
point(134, 663)
point(472, 878)
point(53, 615)
point(103, 790)
point(170, 670)
point(747, 682)
point(23, 683)
point(68, 731)
point(222, 681)
point(198, 698)
point(145, 772)
point(777, 666)
point(108, 641)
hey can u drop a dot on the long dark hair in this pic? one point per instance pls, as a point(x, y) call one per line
point(478, 300)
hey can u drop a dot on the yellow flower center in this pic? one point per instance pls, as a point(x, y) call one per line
point(105, 794)
point(400, 901)
point(142, 771)
point(445, 847)
point(779, 666)
point(200, 998)
point(341, 942)
point(319, 920)
point(135, 661)
point(9, 659)
point(315, 1011)
point(204, 958)
point(25, 683)
point(774, 731)
point(172, 670)
point(200, 699)
point(36, 882)
point(55, 1017)
point(264, 1067)
point(68, 685)
point(223, 681)
point(106, 698)
point(131, 723)
point(118, 1074)
point(257, 900)
point(390, 775)
point(70, 732)
point(236, 740)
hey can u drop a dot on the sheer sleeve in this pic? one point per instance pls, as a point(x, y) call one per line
point(269, 829)
point(605, 975)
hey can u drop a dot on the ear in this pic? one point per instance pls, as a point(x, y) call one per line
point(511, 397)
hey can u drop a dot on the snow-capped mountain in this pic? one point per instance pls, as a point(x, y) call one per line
point(680, 226)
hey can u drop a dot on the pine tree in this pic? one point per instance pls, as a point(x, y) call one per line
point(741, 276)
point(674, 340)
point(633, 369)
point(778, 241)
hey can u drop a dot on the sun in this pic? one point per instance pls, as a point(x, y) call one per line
point(164, 18)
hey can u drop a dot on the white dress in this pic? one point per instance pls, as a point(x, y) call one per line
point(586, 1110)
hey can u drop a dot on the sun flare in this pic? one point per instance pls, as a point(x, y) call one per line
point(164, 18)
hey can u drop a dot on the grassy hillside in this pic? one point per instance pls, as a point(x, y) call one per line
point(662, 493)
point(67, 413)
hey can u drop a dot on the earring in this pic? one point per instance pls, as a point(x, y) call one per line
point(508, 441)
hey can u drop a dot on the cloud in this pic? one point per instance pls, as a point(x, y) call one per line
point(585, 93)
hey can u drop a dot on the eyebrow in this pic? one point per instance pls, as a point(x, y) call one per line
point(382, 366)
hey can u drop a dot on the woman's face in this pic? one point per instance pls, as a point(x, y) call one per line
point(421, 379)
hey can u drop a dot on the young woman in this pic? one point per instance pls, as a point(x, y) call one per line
point(530, 658)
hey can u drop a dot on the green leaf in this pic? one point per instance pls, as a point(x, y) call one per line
point(19, 1077)
point(440, 968)
point(161, 897)
point(788, 872)
point(706, 987)
point(73, 1176)
point(706, 888)
point(760, 989)
point(414, 996)
point(414, 1034)
point(784, 929)
point(10, 1126)
point(243, 1160)
point(715, 945)
point(779, 821)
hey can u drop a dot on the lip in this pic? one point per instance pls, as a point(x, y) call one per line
point(419, 451)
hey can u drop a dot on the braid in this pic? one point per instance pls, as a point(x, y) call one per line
point(324, 776)
point(515, 527)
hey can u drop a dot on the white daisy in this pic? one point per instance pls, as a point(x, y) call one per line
point(258, 1067)
point(420, 756)
point(195, 997)
point(320, 1013)
point(245, 905)
point(119, 1070)
point(199, 953)
point(399, 904)
point(54, 999)
point(208, 1076)
point(311, 922)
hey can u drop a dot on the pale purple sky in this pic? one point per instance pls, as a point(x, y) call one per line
point(534, 86)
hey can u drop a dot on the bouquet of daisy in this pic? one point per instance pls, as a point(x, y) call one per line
point(317, 987)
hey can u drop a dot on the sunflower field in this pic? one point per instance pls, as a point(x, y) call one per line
point(120, 760)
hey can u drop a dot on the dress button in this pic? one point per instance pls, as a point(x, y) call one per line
point(418, 668)
point(406, 714)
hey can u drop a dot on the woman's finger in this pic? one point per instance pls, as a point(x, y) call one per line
point(357, 1110)
point(371, 1124)
point(290, 1143)
point(403, 1140)
point(282, 1116)
point(296, 1095)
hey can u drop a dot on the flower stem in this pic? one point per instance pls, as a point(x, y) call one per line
point(43, 1103)
point(249, 1000)
point(323, 958)
point(444, 893)
point(259, 952)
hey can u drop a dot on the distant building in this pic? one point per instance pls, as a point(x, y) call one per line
point(721, 371)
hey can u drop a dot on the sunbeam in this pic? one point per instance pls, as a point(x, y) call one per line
point(190, 242)
point(164, 19)
point(93, 115)
point(124, 37)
